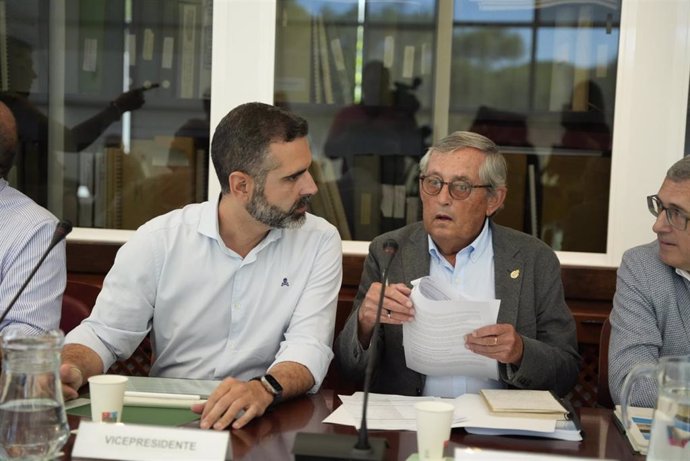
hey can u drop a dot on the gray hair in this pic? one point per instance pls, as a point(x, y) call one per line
point(679, 171)
point(494, 169)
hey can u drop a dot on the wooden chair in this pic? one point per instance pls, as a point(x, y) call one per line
point(77, 302)
point(603, 393)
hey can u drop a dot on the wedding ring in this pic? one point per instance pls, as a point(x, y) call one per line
point(495, 340)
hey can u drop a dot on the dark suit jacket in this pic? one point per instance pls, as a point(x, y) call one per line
point(533, 302)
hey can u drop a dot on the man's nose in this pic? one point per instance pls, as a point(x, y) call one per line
point(309, 187)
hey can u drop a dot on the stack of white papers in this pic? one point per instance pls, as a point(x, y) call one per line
point(479, 454)
point(434, 342)
point(385, 412)
point(395, 412)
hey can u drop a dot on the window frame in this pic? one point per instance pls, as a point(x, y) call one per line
point(649, 120)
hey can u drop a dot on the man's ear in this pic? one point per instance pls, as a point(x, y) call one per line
point(240, 184)
point(496, 200)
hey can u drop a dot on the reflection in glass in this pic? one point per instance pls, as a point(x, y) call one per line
point(538, 80)
point(361, 73)
point(111, 105)
point(542, 86)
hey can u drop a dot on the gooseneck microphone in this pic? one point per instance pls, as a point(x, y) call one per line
point(63, 228)
point(391, 248)
point(313, 447)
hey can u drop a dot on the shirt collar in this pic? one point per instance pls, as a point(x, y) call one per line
point(475, 249)
point(3, 184)
point(684, 274)
point(209, 226)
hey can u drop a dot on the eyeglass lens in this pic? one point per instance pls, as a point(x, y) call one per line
point(673, 216)
point(458, 189)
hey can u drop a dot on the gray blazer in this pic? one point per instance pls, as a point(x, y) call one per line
point(650, 319)
point(533, 302)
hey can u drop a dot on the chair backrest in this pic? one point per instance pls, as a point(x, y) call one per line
point(77, 302)
point(603, 393)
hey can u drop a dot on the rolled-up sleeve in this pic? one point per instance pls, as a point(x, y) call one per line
point(123, 312)
point(308, 339)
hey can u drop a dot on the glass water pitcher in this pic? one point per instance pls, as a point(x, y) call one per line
point(33, 424)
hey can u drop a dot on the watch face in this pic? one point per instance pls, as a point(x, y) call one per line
point(273, 383)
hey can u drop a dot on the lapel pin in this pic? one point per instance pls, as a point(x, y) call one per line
point(515, 274)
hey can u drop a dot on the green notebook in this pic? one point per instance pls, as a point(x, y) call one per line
point(146, 415)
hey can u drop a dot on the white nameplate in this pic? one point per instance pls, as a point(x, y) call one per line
point(132, 442)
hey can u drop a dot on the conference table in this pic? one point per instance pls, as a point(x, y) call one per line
point(271, 437)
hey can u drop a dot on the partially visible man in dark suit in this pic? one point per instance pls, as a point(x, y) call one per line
point(463, 184)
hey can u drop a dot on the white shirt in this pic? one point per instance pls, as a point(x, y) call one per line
point(473, 277)
point(26, 230)
point(212, 313)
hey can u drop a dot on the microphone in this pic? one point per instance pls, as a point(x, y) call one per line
point(346, 447)
point(63, 228)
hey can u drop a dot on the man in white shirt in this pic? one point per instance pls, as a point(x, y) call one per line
point(26, 230)
point(241, 288)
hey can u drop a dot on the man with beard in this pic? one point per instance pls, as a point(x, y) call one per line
point(241, 288)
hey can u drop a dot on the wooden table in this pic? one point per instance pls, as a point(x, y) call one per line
point(271, 437)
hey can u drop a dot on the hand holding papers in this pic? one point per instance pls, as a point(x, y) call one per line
point(434, 342)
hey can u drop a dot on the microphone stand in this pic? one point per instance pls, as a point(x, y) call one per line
point(313, 447)
point(390, 247)
point(61, 230)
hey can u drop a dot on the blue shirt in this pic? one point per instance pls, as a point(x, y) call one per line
point(212, 313)
point(471, 277)
point(26, 230)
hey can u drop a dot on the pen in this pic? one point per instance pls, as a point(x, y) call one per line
point(161, 395)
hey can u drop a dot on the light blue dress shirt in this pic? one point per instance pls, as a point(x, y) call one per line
point(26, 230)
point(472, 277)
point(212, 313)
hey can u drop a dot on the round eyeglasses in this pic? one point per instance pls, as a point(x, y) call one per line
point(459, 189)
point(674, 216)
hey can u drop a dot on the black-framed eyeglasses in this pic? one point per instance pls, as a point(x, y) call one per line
point(674, 216)
point(459, 189)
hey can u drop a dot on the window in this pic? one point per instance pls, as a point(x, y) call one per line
point(539, 81)
point(90, 151)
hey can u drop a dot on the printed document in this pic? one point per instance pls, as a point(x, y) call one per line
point(396, 412)
point(434, 342)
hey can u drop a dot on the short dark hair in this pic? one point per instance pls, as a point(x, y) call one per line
point(242, 138)
point(8, 140)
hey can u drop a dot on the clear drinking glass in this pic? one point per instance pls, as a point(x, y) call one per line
point(33, 424)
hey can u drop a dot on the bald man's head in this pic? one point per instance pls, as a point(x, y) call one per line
point(8, 140)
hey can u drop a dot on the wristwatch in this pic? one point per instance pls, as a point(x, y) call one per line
point(271, 385)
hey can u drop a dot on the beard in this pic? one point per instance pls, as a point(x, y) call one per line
point(273, 216)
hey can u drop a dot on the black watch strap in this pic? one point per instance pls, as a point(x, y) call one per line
point(271, 385)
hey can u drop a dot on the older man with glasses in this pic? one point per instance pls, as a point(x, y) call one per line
point(462, 185)
point(651, 308)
